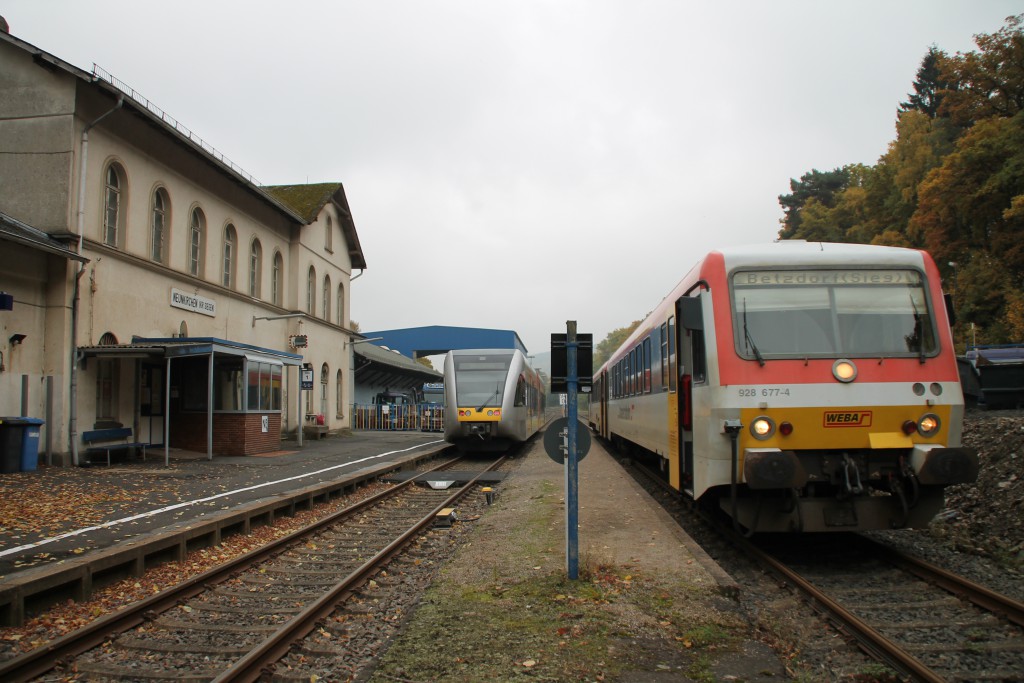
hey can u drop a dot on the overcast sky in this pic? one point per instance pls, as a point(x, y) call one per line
point(522, 163)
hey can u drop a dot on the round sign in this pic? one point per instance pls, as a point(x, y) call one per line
point(556, 438)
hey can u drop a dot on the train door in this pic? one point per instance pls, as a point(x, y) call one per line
point(691, 369)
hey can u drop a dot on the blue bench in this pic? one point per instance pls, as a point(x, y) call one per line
point(114, 440)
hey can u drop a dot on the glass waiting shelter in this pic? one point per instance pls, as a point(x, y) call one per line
point(207, 394)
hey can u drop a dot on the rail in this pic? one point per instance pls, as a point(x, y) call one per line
point(43, 659)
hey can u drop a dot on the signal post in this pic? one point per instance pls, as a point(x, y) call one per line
point(571, 372)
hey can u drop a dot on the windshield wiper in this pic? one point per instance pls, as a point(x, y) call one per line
point(748, 338)
point(918, 332)
point(496, 394)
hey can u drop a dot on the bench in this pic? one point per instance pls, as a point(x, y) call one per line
point(315, 431)
point(113, 440)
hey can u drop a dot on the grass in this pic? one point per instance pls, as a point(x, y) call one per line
point(504, 610)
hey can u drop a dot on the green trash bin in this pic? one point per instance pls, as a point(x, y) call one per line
point(30, 443)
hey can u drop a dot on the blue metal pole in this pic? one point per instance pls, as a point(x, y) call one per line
point(572, 554)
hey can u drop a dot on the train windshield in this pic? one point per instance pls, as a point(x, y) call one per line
point(839, 312)
point(480, 379)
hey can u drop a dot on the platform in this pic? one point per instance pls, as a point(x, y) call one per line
point(67, 530)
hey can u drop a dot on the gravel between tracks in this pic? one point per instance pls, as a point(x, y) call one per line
point(644, 608)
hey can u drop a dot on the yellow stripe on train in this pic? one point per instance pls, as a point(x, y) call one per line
point(843, 427)
point(479, 414)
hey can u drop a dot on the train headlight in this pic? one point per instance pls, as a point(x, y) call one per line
point(928, 425)
point(762, 428)
point(844, 370)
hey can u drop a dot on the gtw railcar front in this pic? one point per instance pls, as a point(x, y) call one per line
point(493, 399)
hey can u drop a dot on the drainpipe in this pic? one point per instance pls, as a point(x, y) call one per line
point(73, 388)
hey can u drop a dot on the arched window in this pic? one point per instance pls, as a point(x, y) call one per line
point(230, 247)
point(255, 268)
point(324, 377)
point(327, 298)
point(311, 291)
point(341, 305)
point(196, 239)
point(329, 235)
point(159, 225)
point(113, 211)
point(339, 400)
point(276, 275)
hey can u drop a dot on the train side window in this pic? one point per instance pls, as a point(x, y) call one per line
point(664, 356)
point(672, 353)
point(638, 371)
point(647, 365)
point(700, 365)
point(632, 372)
point(520, 392)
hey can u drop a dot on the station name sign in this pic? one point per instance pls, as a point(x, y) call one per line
point(193, 302)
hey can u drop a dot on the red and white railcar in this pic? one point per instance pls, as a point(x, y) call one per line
point(798, 386)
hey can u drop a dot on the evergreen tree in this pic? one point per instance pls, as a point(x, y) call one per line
point(928, 87)
point(822, 187)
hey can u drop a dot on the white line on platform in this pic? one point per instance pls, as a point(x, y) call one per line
point(177, 506)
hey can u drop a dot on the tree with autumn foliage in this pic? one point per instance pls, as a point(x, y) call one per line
point(952, 182)
point(607, 346)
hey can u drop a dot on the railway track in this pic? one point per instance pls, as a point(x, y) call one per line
point(926, 623)
point(922, 621)
point(235, 621)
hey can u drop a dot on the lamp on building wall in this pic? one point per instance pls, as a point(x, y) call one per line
point(17, 339)
point(364, 340)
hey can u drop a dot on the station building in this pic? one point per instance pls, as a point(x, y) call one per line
point(147, 282)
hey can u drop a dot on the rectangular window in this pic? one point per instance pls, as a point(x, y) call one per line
point(700, 365)
point(664, 355)
point(253, 385)
point(110, 217)
point(855, 312)
point(672, 353)
point(228, 388)
point(275, 387)
point(106, 392)
point(631, 369)
point(158, 236)
point(263, 386)
point(229, 248)
point(480, 379)
point(647, 365)
point(194, 251)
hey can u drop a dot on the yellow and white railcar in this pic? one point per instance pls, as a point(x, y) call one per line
point(797, 386)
